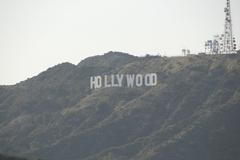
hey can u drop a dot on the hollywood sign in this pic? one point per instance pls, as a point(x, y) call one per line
point(123, 80)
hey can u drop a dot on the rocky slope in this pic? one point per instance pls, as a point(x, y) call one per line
point(192, 114)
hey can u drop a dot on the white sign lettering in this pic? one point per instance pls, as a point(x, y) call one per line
point(121, 80)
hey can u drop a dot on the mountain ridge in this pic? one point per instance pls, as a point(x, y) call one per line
point(191, 114)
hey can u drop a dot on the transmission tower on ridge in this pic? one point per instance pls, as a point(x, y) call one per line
point(224, 43)
point(229, 44)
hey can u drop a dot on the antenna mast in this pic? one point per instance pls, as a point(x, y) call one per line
point(229, 45)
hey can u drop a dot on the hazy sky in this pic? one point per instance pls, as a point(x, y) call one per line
point(37, 34)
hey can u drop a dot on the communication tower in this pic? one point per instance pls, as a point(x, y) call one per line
point(224, 43)
point(229, 43)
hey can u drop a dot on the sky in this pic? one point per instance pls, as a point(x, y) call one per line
point(38, 34)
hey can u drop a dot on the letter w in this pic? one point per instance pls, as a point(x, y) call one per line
point(130, 80)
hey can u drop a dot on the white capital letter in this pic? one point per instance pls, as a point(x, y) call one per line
point(120, 79)
point(95, 82)
point(130, 80)
point(139, 80)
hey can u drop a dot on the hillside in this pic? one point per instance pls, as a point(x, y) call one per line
point(192, 114)
point(4, 157)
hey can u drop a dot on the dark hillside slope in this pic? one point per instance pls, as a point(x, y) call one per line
point(4, 157)
point(192, 113)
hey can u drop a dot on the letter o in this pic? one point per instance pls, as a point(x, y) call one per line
point(139, 80)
